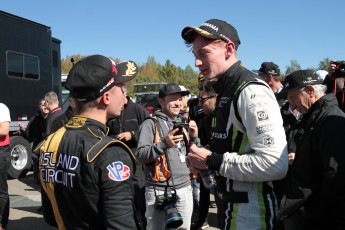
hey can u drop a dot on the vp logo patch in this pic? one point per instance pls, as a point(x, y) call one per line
point(262, 115)
point(118, 171)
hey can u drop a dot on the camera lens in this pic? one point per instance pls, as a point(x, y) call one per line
point(173, 219)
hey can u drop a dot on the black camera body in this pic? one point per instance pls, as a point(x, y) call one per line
point(180, 126)
point(339, 69)
point(168, 197)
point(167, 203)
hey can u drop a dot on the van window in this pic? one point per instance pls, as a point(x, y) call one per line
point(22, 65)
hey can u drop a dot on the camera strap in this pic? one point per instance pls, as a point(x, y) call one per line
point(160, 166)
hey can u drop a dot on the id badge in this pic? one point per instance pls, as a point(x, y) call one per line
point(182, 154)
point(182, 157)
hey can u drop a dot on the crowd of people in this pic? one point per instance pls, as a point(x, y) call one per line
point(272, 146)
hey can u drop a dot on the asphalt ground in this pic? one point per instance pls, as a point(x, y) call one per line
point(25, 199)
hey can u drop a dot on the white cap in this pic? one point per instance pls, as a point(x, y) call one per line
point(321, 74)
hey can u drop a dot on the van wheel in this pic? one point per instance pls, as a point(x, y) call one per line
point(21, 157)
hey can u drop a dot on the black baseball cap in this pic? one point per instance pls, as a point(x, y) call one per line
point(213, 29)
point(269, 68)
point(171, 88)
point(94, 75)
point(300, 78)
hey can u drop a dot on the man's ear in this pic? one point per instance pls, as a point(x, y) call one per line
point(105, 98)
point(230, 49)
point(310, 90)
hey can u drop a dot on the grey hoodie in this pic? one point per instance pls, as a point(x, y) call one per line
point(147, 152)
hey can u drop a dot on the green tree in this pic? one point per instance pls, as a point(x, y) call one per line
point(66, 63)
point(324, 64)
point(294, 65)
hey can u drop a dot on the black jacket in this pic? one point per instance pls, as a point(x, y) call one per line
point(61, 120)
point(131, 117)
point(93, 188)
point(34, 131)
point(317, 179)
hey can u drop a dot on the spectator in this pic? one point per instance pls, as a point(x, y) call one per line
point(34, 131)
point(125, 128)
point(316, 189)
point(270, 73)
point(163, 152)
point(86, 175)
point(63, 118)
point(5, 120)
point(248, 144)
point(207, 101)
point(52, 103)
point(334, 81)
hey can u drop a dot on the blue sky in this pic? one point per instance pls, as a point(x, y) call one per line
point(279, 31)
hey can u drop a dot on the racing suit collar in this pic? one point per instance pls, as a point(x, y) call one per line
point(226, 78)
point(79, 122)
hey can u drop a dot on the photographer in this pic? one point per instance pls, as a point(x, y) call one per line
point(335, 81)
point(162, 149)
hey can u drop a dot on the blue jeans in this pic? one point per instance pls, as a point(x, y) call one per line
point(4, 197)
point(196, 191)
point(184, 205)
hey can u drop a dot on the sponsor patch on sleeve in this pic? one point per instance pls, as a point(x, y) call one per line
point(262, 115)
point(267, 141)
point(117, 171)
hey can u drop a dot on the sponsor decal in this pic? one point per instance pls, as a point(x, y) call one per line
point(309, 80)
point(267, 141)
point(76, 122)
point(60, 170)
point(239, 164)
point(264, 128)
point(223, 100)
point(215, 135)
point(257, 96)
point(118, 171)
point(131, 69)
point(213, 27)
point(107, 85)
point(262, 115)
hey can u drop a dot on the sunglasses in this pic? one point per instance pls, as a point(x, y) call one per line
point(202, 100)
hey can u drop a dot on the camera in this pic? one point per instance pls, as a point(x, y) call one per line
point(179, 126)
point(167, 203)
point(339, 69)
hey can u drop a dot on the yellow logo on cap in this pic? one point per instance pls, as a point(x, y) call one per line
point(202, 31)
point(131, 69)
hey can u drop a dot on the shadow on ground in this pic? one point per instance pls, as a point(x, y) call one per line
point(36, 223)
point(30, 182)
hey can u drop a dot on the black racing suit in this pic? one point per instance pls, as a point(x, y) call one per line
point(88, 177)
point(130, 119)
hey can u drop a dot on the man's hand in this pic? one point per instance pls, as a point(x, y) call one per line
point(171, 140)
point(197, 157)
point(193, 129)
point(291, 158)
point(126, 136)
point(22, 127)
